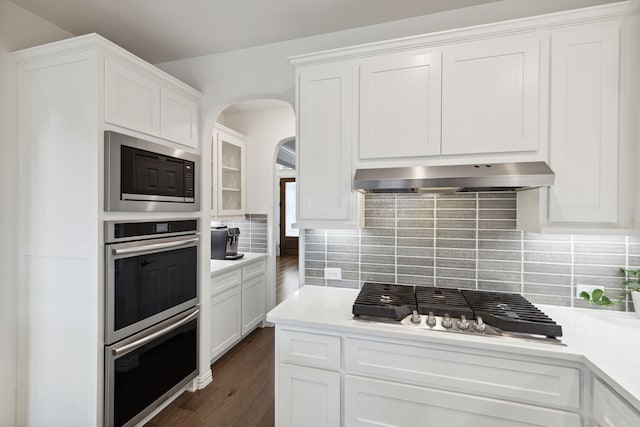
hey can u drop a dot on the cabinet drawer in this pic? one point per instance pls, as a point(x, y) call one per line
point(477, 374)
point(610, 410)
point(376, 402)
point(226, 280)
point(309, 349)
point(253, 270)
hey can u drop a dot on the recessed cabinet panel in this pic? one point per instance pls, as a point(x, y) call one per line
point(131, 100)
point(225, 320)
point(610, 410)
point(307, 397)
point(179, 118)
point(376, 402)
point(490, 98)
point(584, 126)
point(325, 117)
point(400, 105)
point(253, 303)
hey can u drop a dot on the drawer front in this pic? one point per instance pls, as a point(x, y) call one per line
point(610, 410)
point(220, 282)
point(309, 349)
point(369, 402)
point(253, 270)
point(475, 374)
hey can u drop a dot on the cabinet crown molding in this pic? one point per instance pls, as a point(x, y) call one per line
point(91, 42)
point(538, 23)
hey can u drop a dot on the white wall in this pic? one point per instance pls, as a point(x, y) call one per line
point(264, 129)
point(18, 29)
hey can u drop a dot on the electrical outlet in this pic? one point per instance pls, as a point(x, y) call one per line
point(333, 273)
point(587, 288)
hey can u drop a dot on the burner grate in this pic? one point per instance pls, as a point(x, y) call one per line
point(384, 300)
point(511, 312)
point(441, 301)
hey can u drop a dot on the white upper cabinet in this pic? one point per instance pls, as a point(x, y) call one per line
point(131, 99)
point(400, 105)
point(584, 125)
point(179, 118)
point(490, 96)
point(325, 114)
point(146, 103)
point(229, 187)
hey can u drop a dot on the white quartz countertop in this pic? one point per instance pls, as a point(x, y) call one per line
point(606, 342)
point(221, 265)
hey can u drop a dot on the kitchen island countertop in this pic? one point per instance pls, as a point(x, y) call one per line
point(221, 265)
point(607, 342)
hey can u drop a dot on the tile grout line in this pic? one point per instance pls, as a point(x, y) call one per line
point(573, 284)
point(435, 237)
point(626, 266)
point(521, 262)
point(477, 234)
point(395, 235)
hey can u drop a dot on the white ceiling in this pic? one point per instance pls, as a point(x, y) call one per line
point(166, 30)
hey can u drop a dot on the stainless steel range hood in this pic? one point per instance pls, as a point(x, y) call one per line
point(455, 178)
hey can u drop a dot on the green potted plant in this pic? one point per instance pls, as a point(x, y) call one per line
point(630, 285)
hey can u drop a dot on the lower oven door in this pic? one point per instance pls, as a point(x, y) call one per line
point(148, 281)
point(142, 371)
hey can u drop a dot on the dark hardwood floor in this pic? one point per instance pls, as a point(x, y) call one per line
point(287, 280)
point(242, 391)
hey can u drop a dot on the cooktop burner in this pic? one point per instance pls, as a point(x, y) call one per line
point(502, 312)
point(386, 301)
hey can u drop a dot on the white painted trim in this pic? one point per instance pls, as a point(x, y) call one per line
point(498, 29)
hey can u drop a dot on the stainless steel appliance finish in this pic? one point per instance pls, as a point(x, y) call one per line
point(455, 178)
point(150, 279)
point(471, 312)
point(142, 371)
point(174, 190)
point(224, 243)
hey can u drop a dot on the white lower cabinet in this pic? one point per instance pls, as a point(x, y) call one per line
point(326, 378)
point(225, 320)
point(307, 397)
point(253, 300)
point(238, 300)
point(611, 410)
point(377, 402)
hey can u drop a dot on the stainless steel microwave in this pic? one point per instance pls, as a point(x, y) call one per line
point(144, 176)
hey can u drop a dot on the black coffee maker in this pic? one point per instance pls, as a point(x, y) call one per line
point(224, 243)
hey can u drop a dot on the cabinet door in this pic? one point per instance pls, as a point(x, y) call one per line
point(231, 175)
point(225, 320)
point(376, 402)
point(131, 100)
point(253, 302)
point(610, 410)
point(490, 97)
point(307, 397)
point(400, 105)
point(584, 125)
point(179, 118)
point(325, 104)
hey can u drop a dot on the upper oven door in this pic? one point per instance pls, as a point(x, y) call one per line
point(148, 281)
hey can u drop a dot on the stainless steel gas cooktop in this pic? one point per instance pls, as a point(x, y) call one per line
point(455, 310)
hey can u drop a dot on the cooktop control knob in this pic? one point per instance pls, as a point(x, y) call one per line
point(447, 323)
point(463, 323)
point(415, 317)
point(431, 319)
point(479, 325)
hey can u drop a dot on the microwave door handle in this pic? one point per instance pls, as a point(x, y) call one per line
point(127, 348)
point(153, 246)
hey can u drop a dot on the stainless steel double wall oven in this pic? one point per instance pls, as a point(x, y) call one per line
point(151, 315)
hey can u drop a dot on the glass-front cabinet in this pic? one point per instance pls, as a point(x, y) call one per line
point(229, 184)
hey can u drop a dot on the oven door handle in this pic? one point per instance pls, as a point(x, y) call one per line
point(127, 348)
point(153, 246)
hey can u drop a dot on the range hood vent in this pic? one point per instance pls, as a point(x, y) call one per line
point(455, 178)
